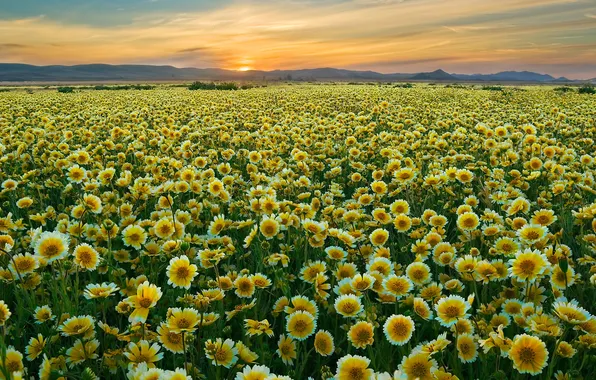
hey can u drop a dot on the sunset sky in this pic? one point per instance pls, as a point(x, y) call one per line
point(557, 37)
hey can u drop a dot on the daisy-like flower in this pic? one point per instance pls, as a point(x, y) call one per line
point(467, 348)
point(532, 233)
point(145, 298)
point(245, 287)
point(23, 264)
point(451, 309)
point(4, 313)
point(361, 334)
point(52, 246)
point(183, 320)
point(528, 265)
point(143, 352)
point(181, 272)
point(102, 290)
point(81, 352)
point(300, 325)
point(86, 257)
point(348, 305)
point(12, 361)
point(529, 354)
point(92, 203)
point(286, 349)
point(353, 367)
point(172, 341)
point(41, 314)
point(256, 372)
point(324, 344)
point(269, 227)
point(570, 312)
point(398, 329)
point(418, 273)
point(468, 221)
point(221, 352)
point(35, 347)
point(76, 326)
point(379, 237)
point(134, 236)
point(418, 365)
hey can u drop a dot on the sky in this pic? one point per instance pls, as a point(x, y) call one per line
point(557, 37)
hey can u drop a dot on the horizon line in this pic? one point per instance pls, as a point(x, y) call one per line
point(277, 69)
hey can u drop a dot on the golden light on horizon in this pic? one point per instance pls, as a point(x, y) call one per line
point(244, 68)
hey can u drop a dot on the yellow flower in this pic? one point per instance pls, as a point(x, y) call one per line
point(361, 334)
point(468, 221)
point(92, 203)
point(571, 312)
point(172, 341)
point(13, 362)
point(134, 236)
point(353, 367)
point(164, 228)
point(74, 326)
point(451, 309)
point(81, 352)
point(35, 347)
point(269, 227)
point(286, 349)
point(183, 320)
point(544, 217)
point(41, 314)
point(418, 366)
point(142, 352)
point(324, 345)
point(245, 354)
point(402, 223)
point(528, 265)
point(379, 237)
point(86, 257)
point(532, 233)
point(348, 305)
point(566, 350)
point(145, 298)
point(529, 354)
point(51, 246)
point(181, 272)
point(418, 273)
point(300, 325)
point(467, 349)
point(398, 329)
point(256, 372)
point(23, 264)
point(245, 288)
point(221, 352)
point(24, 202)
point(102, 290)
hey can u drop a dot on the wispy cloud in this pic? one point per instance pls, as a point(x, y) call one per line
point(385, 35)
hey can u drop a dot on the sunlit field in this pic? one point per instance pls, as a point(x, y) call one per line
point(328, 231)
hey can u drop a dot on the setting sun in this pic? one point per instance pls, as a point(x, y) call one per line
point(244, 68)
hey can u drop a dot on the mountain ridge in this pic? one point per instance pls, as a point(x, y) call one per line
point(20, 72)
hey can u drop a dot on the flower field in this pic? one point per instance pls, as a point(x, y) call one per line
point(291, 232)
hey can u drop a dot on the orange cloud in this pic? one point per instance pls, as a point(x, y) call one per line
point(361, 33)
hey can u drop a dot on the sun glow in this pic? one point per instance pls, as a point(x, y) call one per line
point(244, 68)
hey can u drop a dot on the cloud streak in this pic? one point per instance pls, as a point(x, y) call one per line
point(389, 36)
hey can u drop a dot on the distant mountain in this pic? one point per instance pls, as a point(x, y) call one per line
point(16, 72)
point(508, 76)
point(435, 75)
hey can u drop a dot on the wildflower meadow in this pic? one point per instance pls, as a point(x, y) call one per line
point(324, 231)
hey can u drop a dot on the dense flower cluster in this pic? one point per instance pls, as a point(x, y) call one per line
point(324, 231)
